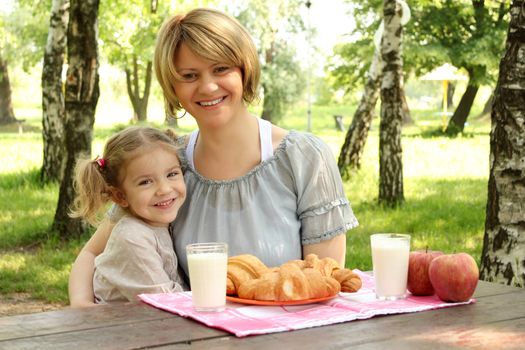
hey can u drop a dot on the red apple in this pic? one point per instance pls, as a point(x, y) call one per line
point(418, 263)
point(454, 276)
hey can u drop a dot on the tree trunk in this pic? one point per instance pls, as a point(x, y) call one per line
point(140, 104)
point(390, 151)
point(407, 118)
point(172, 122)
point(7, 115)
point(267, 112)
point(457, 122)
point(502, 258)
point(451, 88)
point(82, 92)
point(355, 139)
point(53, 108)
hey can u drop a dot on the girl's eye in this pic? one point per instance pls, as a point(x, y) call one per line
point(144, 182)
point(173, 174)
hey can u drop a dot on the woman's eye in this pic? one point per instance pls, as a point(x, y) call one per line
point(222, 69)
point(188, 76)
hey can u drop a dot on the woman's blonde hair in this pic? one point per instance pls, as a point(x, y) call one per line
point(94, 179)
point(214, 36)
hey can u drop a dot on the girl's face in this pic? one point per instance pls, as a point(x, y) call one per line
point(152, 186)
point(210, 91)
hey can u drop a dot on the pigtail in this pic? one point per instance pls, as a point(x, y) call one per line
point(92, 192)
point(171, 134)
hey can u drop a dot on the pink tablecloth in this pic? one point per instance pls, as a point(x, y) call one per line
point(243, 320)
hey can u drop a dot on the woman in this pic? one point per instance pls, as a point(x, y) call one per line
point(263, 190)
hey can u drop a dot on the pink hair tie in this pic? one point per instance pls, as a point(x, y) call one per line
point(101, 162)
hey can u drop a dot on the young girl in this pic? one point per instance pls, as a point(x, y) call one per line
point(141, 173)
point(261, 189)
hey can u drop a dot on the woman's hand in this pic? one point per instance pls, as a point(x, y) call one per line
point(81, 277)
point(334, 248)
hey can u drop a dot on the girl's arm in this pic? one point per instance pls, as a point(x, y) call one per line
point(334, 248)
point(81, 276)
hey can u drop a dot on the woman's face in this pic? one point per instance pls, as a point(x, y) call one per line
point(210, 91)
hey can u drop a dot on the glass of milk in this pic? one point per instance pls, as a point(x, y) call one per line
point(390, 261)
point(207, 265)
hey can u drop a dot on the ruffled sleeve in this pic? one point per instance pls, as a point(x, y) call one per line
point(322, 206)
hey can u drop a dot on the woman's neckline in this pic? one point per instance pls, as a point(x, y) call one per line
point(278, 150)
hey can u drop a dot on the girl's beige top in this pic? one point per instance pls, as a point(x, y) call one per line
point(138, 258)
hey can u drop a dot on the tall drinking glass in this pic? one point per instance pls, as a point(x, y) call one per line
point(390, 253)
point(207, 265)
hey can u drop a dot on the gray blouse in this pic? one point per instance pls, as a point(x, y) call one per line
point(292, 199)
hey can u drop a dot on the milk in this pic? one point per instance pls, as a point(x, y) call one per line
point(390, 263)
point(208, 280)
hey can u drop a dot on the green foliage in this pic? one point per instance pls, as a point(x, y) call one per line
point(467, 34)
point(24, 31)
point(283, 82)
point(274, 24)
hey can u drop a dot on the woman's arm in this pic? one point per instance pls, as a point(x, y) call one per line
point(81, 276)
point(334, 248)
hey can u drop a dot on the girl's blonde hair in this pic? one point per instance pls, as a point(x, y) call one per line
point(95, 178)
point(214, 36)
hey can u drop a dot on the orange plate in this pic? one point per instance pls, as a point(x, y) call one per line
point(278, 303)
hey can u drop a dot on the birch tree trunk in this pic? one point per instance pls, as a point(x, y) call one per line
point(82, 92)
point(503, 257)
point(52, 96)
point(390, 151)
point(355, 139)
point(7, 115)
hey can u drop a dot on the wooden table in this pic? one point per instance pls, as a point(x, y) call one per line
point(495, 321)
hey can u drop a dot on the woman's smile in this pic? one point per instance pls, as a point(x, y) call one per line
point(212, 102)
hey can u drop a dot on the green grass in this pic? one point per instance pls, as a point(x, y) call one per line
point(445, 186)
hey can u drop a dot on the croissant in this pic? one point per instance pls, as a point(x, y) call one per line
point(242, 268)
point(310, 278)
point(349, 281)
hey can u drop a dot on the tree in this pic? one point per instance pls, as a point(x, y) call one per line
point(390, 151)
point(485, 26)
point(502, 258)
point(23, 30)
point(52, 96)
point(128, 30)
point(81, 97)
point(273, 23)
point(7, 115)
point(355, 139)
point(466, 33)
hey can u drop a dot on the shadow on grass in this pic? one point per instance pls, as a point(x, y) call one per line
point(26, 211)
point(446, 215)
point(430, 133)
